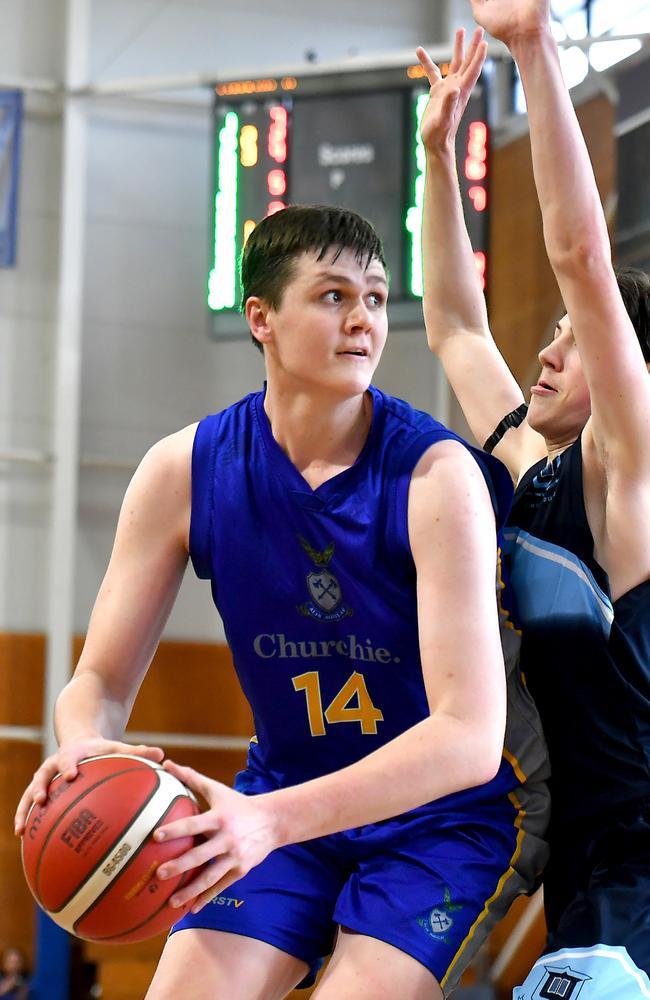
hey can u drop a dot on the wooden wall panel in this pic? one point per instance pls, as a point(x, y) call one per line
point(18, 761)
point(22, 665)
point(191, 687)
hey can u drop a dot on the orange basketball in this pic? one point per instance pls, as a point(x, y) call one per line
point(89, 855)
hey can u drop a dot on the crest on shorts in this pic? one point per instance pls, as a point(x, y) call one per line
point(438, 922)
point(325, 602)
point(559, 983)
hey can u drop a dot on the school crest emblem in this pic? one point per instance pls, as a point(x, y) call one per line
point(326, 599)
point(558, 983)
point(438, 922)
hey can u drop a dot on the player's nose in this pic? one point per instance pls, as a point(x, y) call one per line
point(358, 318)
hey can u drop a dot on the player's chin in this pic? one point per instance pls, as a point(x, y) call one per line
point(354, 377)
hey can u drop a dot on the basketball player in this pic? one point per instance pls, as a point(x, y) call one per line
point(578, 541)
point(350, 545)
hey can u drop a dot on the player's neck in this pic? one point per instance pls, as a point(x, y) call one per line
point(322, 437)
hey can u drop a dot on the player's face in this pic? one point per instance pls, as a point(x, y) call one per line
point(559, 402)
point(330, 328)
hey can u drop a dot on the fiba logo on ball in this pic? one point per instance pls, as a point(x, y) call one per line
point(89, 855)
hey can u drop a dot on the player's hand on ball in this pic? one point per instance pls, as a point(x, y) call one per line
point(65, 762)
point(448, 96)
point(238, 830)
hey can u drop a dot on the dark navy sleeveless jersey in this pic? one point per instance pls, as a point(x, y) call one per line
point(317, 588)
point(586, 660)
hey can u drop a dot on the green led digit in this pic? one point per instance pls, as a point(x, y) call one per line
point(222, 279)
point(414, 213)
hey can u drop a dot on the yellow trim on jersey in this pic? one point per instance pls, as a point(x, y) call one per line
point(521, 813)
point(501, 587)
point(515, 765)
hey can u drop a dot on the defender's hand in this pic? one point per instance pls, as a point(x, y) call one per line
point(238, 832)
point(65, 762)
point(508, 19)
point(448, 96)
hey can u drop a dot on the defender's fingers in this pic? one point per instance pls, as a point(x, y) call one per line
point(475, 41)
point(473, 69)
point(459, 51)
point(432, 71)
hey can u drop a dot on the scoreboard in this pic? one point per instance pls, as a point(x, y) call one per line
point(349, 139)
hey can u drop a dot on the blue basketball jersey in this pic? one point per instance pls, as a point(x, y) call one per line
point(317, 589)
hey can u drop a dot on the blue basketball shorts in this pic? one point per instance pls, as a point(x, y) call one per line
point(431, 882)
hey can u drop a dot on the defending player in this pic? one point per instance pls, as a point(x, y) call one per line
point(350, 543)
point(578, 542)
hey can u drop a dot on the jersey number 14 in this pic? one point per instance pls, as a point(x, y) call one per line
point(362, 709)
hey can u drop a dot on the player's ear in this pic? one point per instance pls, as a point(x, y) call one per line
point(257, 315)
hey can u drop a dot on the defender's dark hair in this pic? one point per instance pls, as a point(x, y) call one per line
point(634, 286)
point(268, 259)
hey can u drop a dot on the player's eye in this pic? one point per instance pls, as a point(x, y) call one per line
point(377, 299)
point(332, 295)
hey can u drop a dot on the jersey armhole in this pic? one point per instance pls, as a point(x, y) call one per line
point(203, 450)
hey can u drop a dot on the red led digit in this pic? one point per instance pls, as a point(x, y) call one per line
point(480, 261)
point(276, 182)
point(476, 159)
point(277, 144)
point(478, 197)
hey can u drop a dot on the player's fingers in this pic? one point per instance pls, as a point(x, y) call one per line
point(459, 51)
point(207, 881)
point(473, 70)
point(475, 41)
point(68, 765)
point(426, 62)
point(189, 826)
point(35, 793)
point(232, 875)
point(142, 750)
point(28, 798)
point(193, 779)
point(194, 858)
point(156, 754)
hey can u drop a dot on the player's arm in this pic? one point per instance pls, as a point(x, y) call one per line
point(455, 314)
point(576, 239)
point(135, 598)
point(452, 536)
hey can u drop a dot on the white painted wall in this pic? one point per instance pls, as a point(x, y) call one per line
point(148, 365)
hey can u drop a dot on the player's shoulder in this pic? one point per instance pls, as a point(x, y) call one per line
point(447, 457)
point(171, 457)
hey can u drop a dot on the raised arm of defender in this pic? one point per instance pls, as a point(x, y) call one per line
point(576, 237)
point(616, 457)
point(454, 305)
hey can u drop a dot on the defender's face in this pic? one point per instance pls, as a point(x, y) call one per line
point(559, 402)
point(330, 328)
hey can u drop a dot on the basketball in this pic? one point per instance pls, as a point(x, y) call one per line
point(89, 855)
